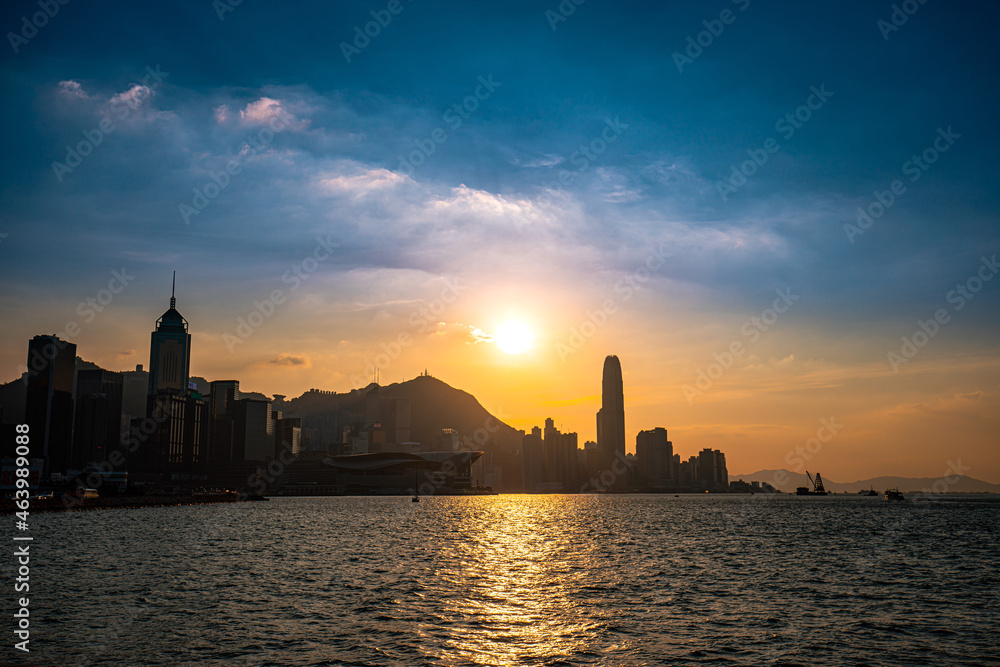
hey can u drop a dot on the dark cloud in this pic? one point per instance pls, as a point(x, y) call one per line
point(289, 360)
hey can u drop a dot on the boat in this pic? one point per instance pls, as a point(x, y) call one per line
point(817, 489)
point(868, 492)
point(893, 494)
point(416, 489)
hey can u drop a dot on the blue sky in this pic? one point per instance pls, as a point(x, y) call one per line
point(483, 207)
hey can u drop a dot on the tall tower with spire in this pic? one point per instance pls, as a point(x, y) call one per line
point(611, 418)
point(170, 351)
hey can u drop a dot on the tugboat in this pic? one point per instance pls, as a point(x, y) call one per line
point(894, 494)
point(817, 489)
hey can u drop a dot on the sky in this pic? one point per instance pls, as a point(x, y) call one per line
point(782, 217)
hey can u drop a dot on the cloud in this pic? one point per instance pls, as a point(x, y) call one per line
point(72, 89)
point(674, 172)
point(546, 160)
point(267, 110)
point(134, 98)
point(958, 406)
point(364, 183)
point(615, 187)
point(290, 360)
point(482, 206)
point(477, 335)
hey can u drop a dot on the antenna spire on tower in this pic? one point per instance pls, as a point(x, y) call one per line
point(173, 286)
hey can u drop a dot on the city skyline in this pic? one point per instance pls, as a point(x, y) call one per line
point(532, 332)
point(202, 437)
point(208, 445)
point(769, 243)
point(172, 327)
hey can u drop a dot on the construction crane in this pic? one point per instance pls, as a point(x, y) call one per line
point(817, 483)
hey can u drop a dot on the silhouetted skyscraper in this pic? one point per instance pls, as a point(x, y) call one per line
point(223, 395)
point(170, 352)
point(394, 415)
point(559, 460)
point(654, 456)
point(178, 449)
point(569, 466)
point(254, 430)
point(98, 427)
point(611, 418)
point(550, 449)
point(712, 470)
point(287, 435)
point(533, 459)
point(48, 409)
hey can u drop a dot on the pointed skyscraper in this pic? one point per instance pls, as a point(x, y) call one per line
point(611, 418)
point(177, 450)
point(170, 351)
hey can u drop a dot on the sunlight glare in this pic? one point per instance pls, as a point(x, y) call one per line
point(514, 337)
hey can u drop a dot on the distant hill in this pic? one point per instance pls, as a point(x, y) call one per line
point(434, 405)
point(962, 483)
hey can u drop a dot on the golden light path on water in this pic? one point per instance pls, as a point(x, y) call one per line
point(521, 569)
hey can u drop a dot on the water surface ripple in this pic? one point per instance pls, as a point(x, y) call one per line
point(521, 580)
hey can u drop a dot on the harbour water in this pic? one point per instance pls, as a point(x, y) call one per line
point(520, 580)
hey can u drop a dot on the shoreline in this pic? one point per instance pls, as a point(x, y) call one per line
point(56, 504)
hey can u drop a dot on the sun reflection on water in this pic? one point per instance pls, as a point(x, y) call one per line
point(524, 583)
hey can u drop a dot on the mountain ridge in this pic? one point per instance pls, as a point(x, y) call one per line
point(956, 483)
point(434, 404)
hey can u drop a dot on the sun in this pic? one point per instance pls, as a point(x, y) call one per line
point(514, 337)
